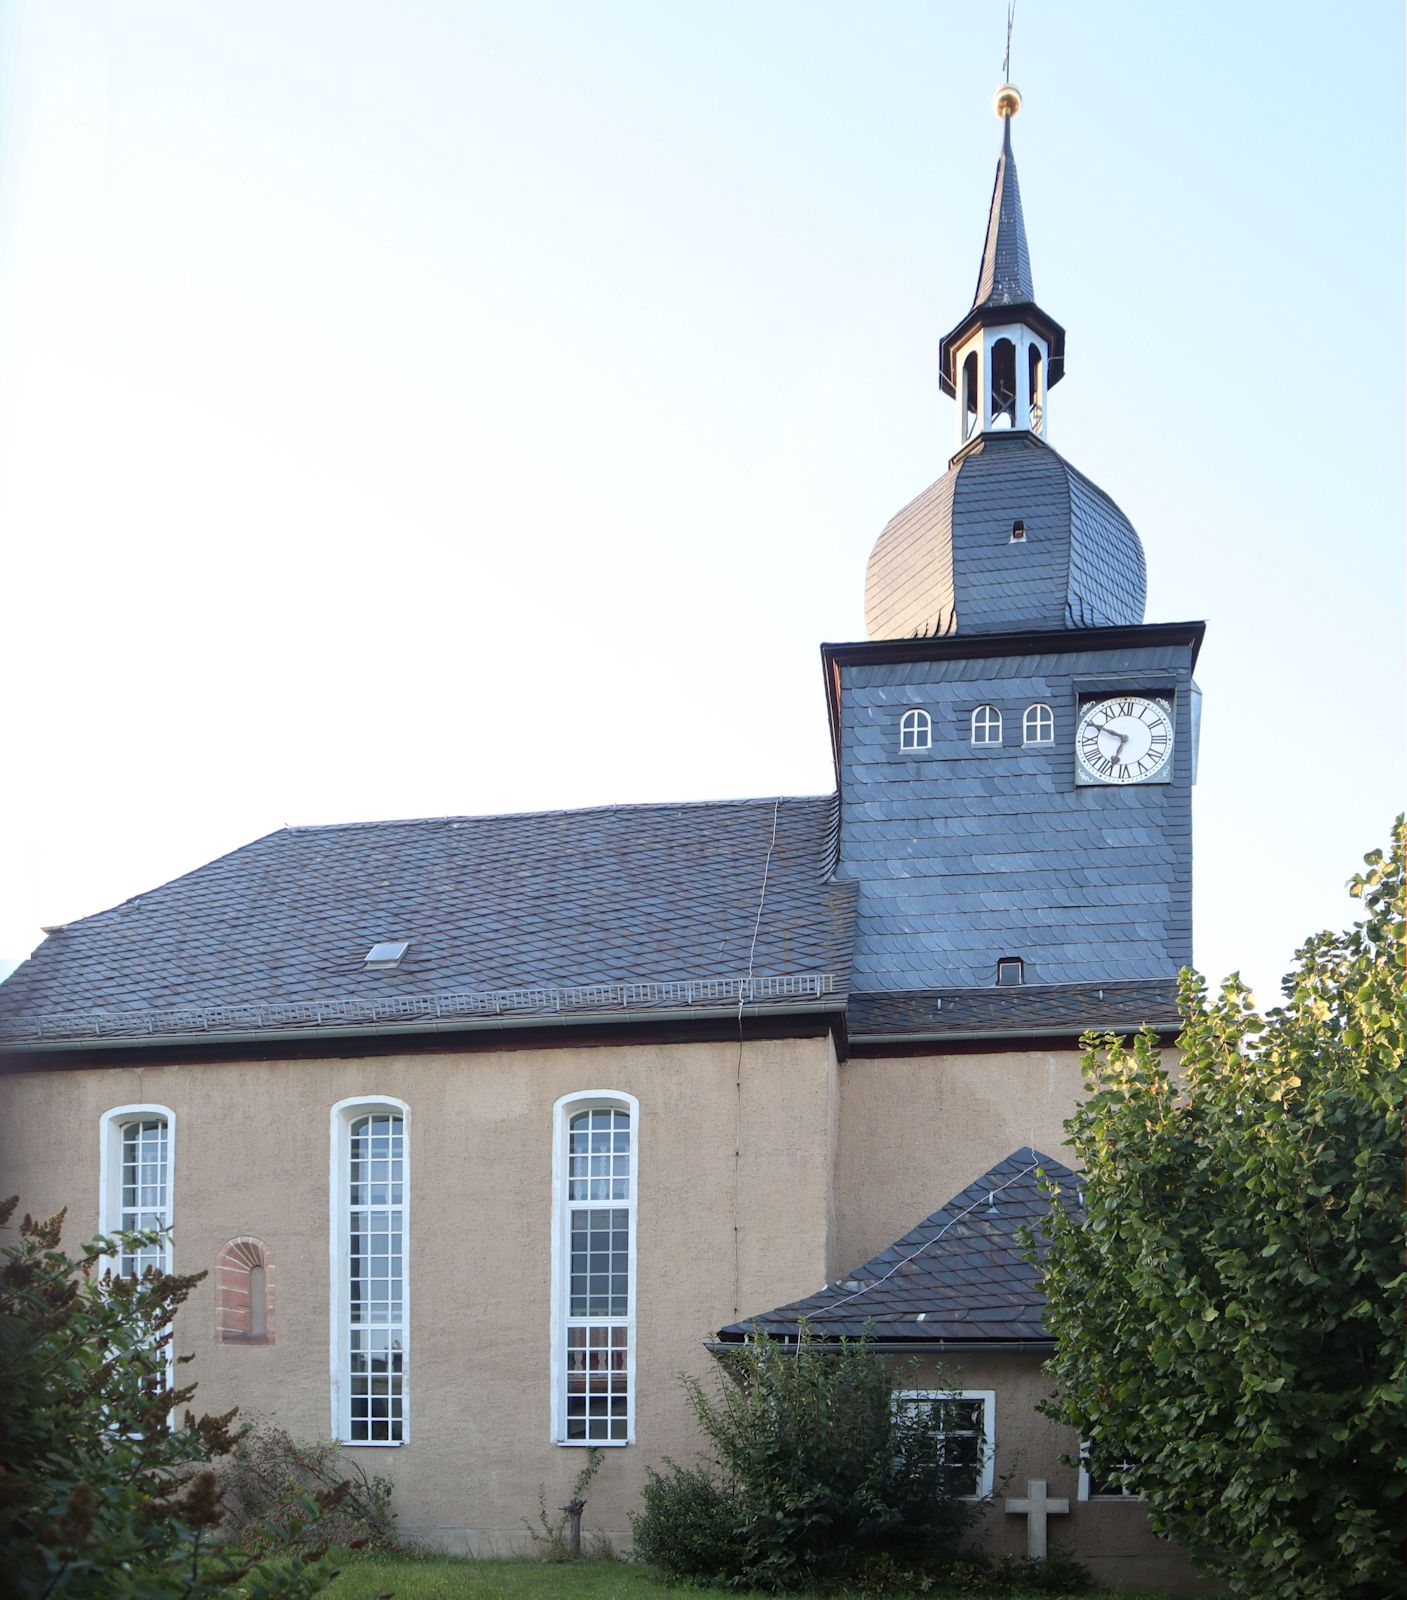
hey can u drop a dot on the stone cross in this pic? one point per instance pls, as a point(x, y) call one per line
point(1035, 1506)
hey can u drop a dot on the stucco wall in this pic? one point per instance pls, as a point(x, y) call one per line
point(916, 1130)
point(835, 1164)
point(251, 1158)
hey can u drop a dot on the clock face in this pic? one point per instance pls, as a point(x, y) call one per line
point(1125, 738)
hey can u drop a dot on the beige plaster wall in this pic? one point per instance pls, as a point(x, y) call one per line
point(916, 1130)
point(251, 1158)
point(835, 1164)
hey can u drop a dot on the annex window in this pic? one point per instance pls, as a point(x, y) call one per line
point(967, 1421)
point(1038, 725)
point(986, 725)
point(135, 1165)
point(915, 731)
point(370, 1293)
point(595, 1159)
point(1105, 1480)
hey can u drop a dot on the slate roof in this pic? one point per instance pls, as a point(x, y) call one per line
point(962, 1270)
point(946, 563)
point(604, 911)
point(1060, 1008)
point(1004, 278)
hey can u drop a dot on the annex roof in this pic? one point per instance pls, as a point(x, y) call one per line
point(551, 915)
point(960, 1276)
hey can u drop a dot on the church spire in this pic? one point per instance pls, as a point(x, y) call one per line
point(1003, 357)
point(1004, 278)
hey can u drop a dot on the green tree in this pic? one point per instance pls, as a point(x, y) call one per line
point(1228, 1315)
point(102, 1494)
point(815, 1473)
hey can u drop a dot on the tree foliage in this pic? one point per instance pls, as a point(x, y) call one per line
point(1228, 1316)
point(814, 1473)
point(101, 1493)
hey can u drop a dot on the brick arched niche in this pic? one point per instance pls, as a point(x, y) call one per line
point(244, 1293)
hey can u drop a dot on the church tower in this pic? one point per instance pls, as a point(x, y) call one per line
point(1015, 746)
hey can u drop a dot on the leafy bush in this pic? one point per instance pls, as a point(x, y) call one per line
point(1058, 1573)
point(814, 1473)
point(692, 1526)
point(102, 1495)
point(1229, 1315)
point(269, 1475)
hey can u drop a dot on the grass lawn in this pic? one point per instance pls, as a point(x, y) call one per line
point(455, 1578)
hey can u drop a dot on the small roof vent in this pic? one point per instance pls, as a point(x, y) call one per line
point(383, 956)
point(1011, 970)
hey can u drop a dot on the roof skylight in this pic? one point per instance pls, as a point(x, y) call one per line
point(382, 956)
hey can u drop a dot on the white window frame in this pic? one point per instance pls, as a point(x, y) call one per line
point(343, 1115)
point(988, 1397)
point(562, 1113)
point(1124, 1496)
point(1038, 714)
point(915, 731)
point(110, 1208)
point(991, 718)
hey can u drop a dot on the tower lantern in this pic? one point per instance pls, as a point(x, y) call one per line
point(1002, 359)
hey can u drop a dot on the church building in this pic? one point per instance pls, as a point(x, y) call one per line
point(486, 1128)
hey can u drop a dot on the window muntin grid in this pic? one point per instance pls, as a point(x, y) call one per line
point(967, 1446)
point(986, 725)
point(144, 1193)
point(375, 1353)
point(597, 1248)
point(1038, 725)
point(915, 731)
point(598, 1155)
point(598, 1383)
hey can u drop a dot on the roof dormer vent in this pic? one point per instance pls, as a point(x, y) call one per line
point(382, 957)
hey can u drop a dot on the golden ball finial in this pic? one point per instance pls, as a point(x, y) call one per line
point(1006, 102)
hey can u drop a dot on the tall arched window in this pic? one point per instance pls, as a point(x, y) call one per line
point(915, 731)
point(594, 1177)
point(1035, 376)
point(135, 1182)
point(986, 725)
point(370, 1291)
point(1038, 725)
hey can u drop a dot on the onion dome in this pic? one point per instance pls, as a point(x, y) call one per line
point(1011, 537)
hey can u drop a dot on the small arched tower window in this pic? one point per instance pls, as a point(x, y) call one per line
point(1035, 373)
point(986, 725)
point(1038, 725)
point(244, 1292)
point(1003, 407)
point(968, 412)
point(915, 731)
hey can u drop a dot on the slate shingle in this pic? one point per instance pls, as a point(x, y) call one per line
point(963, 1270)
point(613, 896)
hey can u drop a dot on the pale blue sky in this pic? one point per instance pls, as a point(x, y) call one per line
point(411, 408)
